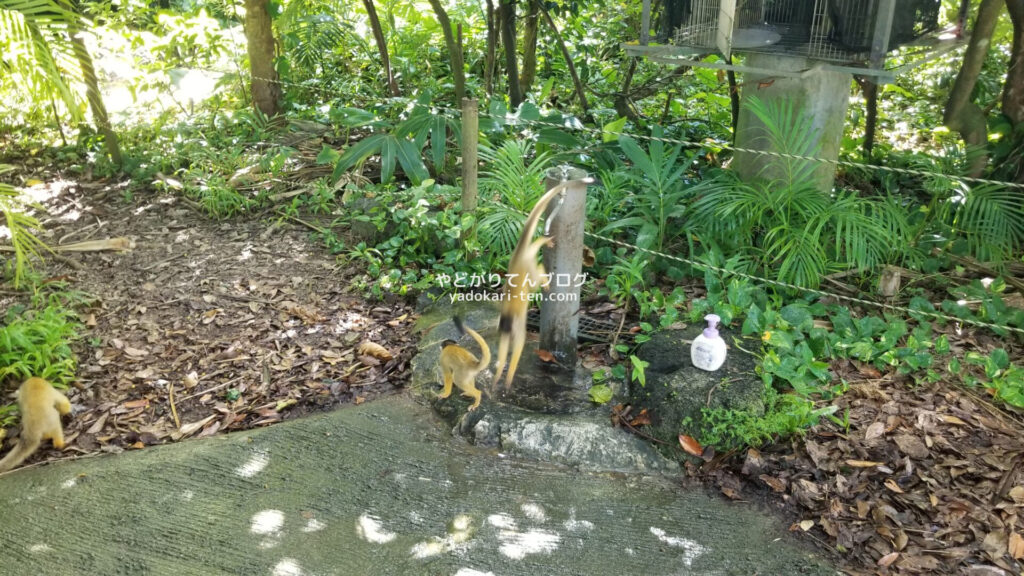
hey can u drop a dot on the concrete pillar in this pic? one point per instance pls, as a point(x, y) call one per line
point(822, 95)
point(560, 310)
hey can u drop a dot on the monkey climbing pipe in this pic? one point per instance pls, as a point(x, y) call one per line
point(560, 308)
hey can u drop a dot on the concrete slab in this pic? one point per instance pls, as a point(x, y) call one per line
point(374, 489)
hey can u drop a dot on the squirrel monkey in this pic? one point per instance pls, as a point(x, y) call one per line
point(41, 407)
point(460, 367)
point(525, 276)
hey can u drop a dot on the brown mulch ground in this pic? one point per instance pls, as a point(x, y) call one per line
point(926, 480)
point(206, 327)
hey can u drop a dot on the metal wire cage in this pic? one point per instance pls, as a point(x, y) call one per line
point(831, 30)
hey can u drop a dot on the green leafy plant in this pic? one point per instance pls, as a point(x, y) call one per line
point(514, 179)
point(795, 232)
point(398, 144)
point(423, 241)
point(785, 415)
point(37, 343)
point(218, 198)
point(21, 227)
point(600, 393)
point(1002, 379)
point(990, 219)
point(38, 54)
point(656, 211)
point(638, 372)
point(626, 279)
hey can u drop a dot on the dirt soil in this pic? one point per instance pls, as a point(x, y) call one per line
point(205, 326)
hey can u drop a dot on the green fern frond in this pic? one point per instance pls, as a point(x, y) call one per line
point(799, 257)
point(34, 38)
point(21, 228)
point(499, 229)
point(512, 176)
point(991, 219)
point(789, 131)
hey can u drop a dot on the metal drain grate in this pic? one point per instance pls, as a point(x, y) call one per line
point(590, 330)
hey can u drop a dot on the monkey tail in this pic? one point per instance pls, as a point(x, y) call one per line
point(485, 352)
point(459, 324)
point(23, 449)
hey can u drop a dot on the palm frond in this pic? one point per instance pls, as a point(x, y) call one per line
point(798, 255)
point(512, 175)
point(21, 228)
point(499, 229)
point(789, 131)
point(991, 219)
point(38, 51)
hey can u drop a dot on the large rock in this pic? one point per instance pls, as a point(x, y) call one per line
point(546, 415)
point(676, 391)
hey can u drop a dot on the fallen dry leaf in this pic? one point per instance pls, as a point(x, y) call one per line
point(135, 352)
point(912, 446)
point(807, 525)
point(773, 483)
point(892, 485)
point(863, 463)
point(133, 404)
point(546, 356)
point(1017, 495)
point(308, 315)
point(1015, 546)
point(876, 430)
point(193, 427)
point(641, 419)
point(995, 544)
point(691, 446)
point(376, 350)
point(888, 559)
point(953, 420)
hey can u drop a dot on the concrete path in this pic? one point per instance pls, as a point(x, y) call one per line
point(374, 489)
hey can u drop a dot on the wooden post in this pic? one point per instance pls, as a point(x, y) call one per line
point(559, 311)
point(470, 133)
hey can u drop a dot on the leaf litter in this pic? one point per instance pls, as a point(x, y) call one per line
point(925, 480)
point(207, 327)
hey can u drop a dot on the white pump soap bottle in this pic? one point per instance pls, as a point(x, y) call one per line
point(708, 349)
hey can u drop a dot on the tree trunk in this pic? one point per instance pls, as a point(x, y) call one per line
point(580, 93)
point(492, 48)
point(382, 47)
point(93, 95)
point(871, 115)
point(530, 47)
point(508, 41)
point(622, 103)
point(734, 99)
point(259, 35)
point(1013, 90)
point(963, 115)
point(454, 51)
point(623, 99)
